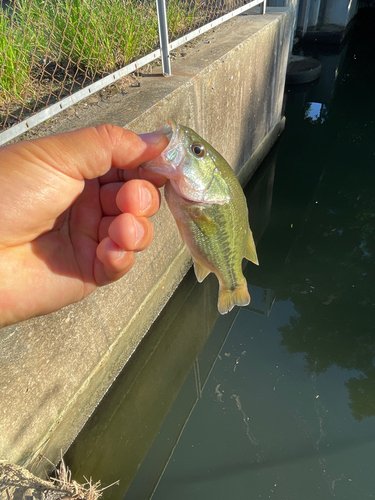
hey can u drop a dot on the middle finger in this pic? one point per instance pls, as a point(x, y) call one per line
point(138, 197)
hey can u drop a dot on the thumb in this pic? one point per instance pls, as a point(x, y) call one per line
point(90, 152)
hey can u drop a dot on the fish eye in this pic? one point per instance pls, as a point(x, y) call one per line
point(198, 149)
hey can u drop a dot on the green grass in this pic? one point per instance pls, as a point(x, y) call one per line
point(15, 64)
point(95, 36)
point(180, 19)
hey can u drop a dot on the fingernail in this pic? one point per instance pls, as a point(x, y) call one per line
point(145, 199)
point(152, 138)
point(120, 254)
point(139, 231)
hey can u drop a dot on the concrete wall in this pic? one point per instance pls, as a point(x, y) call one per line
point(55, 369)
point(320, 16)
point(325, 15)
point(293, 5)
point(339, 13)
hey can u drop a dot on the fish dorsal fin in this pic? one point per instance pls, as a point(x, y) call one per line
point(250, 250)
point(200, 271)
point(205, 223)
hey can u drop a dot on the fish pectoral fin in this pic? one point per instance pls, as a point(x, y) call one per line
point(250, 250)
point(228, 298)
point(205, 223)
point(200, 271)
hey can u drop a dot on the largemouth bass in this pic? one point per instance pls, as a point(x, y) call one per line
point(210, 209)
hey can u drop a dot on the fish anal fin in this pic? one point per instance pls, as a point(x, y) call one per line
point(250, 250)
point(229, 298)
point(200, 271)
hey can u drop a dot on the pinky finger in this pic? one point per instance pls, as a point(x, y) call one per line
point(112, 262)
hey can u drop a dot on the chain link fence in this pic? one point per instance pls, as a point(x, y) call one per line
point(50, 49)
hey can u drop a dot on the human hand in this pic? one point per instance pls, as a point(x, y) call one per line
point(74, 209)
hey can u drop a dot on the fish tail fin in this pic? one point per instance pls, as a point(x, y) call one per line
point(229, 298)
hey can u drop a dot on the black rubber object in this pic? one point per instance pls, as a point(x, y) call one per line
point(302, 69)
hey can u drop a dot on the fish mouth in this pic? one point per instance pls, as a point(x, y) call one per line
point(168, 161)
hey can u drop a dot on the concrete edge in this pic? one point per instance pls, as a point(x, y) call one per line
point(261, 152)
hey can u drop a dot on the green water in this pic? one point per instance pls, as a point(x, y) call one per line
point(280, 403)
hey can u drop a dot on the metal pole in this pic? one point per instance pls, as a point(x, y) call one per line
point(163, 37)
point(264, 6)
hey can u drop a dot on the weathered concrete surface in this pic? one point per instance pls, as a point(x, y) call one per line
point(55, 369)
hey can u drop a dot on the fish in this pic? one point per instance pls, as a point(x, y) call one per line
point(210, 209)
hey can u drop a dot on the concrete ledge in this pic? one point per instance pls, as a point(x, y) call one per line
point(55, 369)
point(329, 35)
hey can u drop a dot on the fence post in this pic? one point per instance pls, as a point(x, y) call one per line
point(163, 36)
point(264, 6)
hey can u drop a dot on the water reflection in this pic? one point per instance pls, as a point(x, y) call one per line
point(330, 272)
point(330, 280)
point(316, 112)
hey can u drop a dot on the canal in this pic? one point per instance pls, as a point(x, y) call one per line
point(277, 399)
